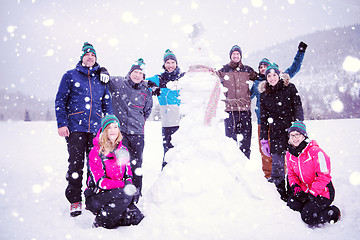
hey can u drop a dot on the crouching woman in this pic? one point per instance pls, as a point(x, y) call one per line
point(110, 194)
point(312, 191)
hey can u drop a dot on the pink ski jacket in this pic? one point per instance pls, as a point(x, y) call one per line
point(107, 172)
point(311, 170)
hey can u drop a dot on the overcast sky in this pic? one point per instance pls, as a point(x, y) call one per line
point(41, 40)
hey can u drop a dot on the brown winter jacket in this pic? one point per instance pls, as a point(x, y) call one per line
point(235, 77)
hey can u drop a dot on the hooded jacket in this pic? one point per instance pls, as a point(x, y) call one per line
point(280, 105)
point(107, 172)
point(310, 170)
point(292, 71)
point(132, 103)
point(82, 100)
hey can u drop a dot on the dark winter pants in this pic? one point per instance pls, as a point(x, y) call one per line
point(278, 168)
point(109, 207)
point(78, 144)
point(166, 134)
point(240, 123)
point(135, 145)
point(317, 210)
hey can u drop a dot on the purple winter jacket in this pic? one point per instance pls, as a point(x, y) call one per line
point(107, 172)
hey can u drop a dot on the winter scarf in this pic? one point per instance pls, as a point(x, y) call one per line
point(297, 150)
point(166, 77)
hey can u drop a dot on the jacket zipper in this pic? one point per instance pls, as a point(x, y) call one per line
point(90, 99)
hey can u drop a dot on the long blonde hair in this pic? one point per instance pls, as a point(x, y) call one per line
point(105, 144)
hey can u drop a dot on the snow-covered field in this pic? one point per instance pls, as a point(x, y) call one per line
point(33, 205)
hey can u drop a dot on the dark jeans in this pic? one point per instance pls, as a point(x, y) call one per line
point(240, 123)
point(135, 145)
point(166, 134)
point(109, 206)
point(78, 144)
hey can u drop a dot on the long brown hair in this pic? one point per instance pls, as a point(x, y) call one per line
point(105, 144)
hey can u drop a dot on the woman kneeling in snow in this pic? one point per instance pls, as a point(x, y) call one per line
point(309, 176)
point(110, 194)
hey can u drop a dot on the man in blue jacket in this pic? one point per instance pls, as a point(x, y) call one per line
point(168, 98)
point(81, 101)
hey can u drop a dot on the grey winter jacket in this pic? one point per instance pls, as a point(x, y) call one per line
point(132, 104)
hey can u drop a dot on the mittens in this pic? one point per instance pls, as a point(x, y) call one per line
point(155, 90)
point(104, 75)
point(302, 46)
point(265, 148)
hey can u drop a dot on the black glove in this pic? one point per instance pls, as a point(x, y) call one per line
point(302, 46)
point(154, 88)
point(305, 197)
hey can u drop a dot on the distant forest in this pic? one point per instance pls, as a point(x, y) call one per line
point(322, 82)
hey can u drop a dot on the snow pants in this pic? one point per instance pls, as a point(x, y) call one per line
point(112, 208)
point(277, 168)
point(266, 161)
point(240, 123)
point(78, 144)
point(317, 210)
point(167, 132)
point(135, 145)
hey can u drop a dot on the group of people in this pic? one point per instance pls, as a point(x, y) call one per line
point(102, 117)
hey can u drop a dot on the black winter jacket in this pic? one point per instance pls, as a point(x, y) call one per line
point(280, 106)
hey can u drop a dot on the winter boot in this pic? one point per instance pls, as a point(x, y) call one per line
point(132, 216)
point(334, 213)
point(75, 209)
point(282, 191)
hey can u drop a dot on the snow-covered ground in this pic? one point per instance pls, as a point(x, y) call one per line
point(33, 205)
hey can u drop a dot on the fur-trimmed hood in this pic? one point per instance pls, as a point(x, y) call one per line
point(263, 86)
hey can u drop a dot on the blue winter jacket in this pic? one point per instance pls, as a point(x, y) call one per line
point(82, 100)
point(292, 71)
point(167, 96)
point(168, 99)
point(132, 104)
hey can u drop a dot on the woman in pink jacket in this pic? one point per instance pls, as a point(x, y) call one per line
point(309, 176)
point(110, 194)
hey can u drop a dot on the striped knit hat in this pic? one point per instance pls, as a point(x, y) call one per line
point(107, 120)
point(139, 64)
point(235, 48)
point(169, 55)
point(272, 68)
point(87, 48)
point(299, 127)
point(265, 62)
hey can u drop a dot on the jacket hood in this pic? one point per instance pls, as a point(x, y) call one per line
point(264, 85)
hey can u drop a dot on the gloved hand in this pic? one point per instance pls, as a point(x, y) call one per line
point(104, 75)
point(155, 90)
point(296, 189)
point(305, 197)
point(265, 148)
point(302, 46)
point(104, 78)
